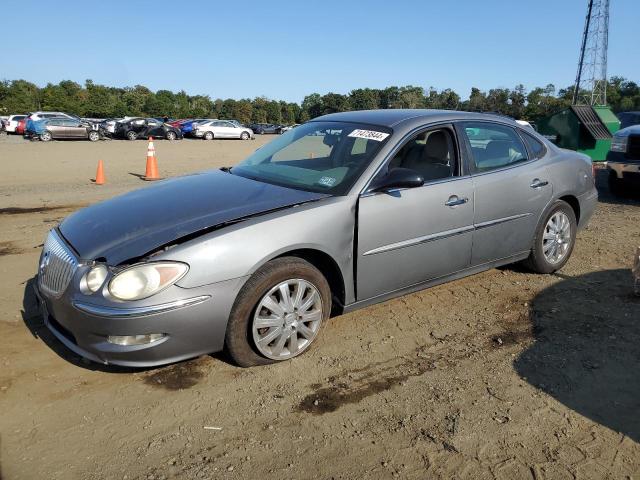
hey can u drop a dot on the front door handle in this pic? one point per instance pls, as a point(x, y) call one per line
point(454, 200)
point(537, 183)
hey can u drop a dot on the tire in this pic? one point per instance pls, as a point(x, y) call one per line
point(208, 136)
point(561, 239)
point(94, 136)
point(241, 336)
point(46, 136)
point(131, 135)
point(171, 136)
point(616, 185)
point(245, 136)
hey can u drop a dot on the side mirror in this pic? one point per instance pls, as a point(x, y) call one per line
point(398, 178)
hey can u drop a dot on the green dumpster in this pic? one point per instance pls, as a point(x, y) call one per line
point(584, 128)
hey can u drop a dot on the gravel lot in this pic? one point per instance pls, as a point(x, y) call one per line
point(505, 374)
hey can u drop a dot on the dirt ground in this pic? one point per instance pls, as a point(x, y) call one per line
point(505, 374)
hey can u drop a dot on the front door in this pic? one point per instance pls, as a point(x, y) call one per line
point(413, 235)
point(511, 191)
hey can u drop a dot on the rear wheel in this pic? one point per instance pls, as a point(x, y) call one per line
point(554, 241)
point(131, 135)
point(278, 313)
point(208, 136)
point(244, 136)
point(46, 136)
point(94, 136)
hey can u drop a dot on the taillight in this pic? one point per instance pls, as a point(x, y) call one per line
point(594, 171)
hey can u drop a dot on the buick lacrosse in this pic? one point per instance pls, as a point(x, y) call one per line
point(339, 213)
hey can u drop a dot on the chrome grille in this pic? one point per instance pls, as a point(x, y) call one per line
point(57, 266)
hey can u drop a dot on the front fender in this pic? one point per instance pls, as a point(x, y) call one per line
point(239, 250)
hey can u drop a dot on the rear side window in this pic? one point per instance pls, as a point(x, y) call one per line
point(494, 146)
point(536, 148)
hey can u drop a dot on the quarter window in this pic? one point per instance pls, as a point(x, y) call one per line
point(535, 146)
point(494, 146)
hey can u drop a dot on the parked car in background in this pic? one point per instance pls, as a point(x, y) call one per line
point(221, 129)
point(256, 258)
point(22, 123)
point(12, 123)
point(188, 126)
point(623, 160)
point(135, 128)
point(628, 119)
point(67, 128)
point(109, 124)
point(177, 123)
point(262, 128)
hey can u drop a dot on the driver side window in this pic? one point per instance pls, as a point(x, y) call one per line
point(431, 153)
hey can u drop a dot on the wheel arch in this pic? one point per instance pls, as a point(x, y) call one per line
point(328, 267)
point(574, 204)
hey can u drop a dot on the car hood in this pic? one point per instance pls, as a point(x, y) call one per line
point(134, 224)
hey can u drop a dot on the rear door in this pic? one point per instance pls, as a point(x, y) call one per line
point(56, 128)
point(512, 188)
point(155, 128)
point(409, 236)
point(75, 129)
point(230, 131)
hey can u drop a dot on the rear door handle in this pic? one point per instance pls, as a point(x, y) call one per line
point(537, 183)
point(454, 200)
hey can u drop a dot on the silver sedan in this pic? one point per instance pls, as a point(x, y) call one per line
point(342, 212)
point(221, 129)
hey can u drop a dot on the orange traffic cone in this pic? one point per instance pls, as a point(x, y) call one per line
point(152, 164)
point(100, 174)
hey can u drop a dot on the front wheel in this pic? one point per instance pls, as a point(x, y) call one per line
point(245, 136)
point(94, 136)
point(278, 313)
point(208, 136)
point(171, 135)
point(46, 136)
point(554, 241)
point(131, 135)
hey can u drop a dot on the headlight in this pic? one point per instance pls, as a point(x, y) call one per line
point(95, 278)
point(142, 281)
point(619, 144)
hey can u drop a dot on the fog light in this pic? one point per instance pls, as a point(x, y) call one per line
point(135, 339)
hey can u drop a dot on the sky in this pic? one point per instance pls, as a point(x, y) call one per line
point(287, 49)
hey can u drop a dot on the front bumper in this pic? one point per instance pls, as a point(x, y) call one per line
point(193, 320)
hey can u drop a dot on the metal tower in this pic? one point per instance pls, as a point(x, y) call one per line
point(591, 80)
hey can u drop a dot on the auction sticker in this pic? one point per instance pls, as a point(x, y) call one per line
point(369, 135)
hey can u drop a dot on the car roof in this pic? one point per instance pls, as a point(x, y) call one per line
point(393, 117)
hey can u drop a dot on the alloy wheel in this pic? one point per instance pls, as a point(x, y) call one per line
point(557, 237)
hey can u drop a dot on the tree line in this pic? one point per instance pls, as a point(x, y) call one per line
point(99, 101)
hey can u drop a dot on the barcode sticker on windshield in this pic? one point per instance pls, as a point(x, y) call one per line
point(369, 135)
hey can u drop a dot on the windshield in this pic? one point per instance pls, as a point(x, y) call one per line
point(325, 157)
